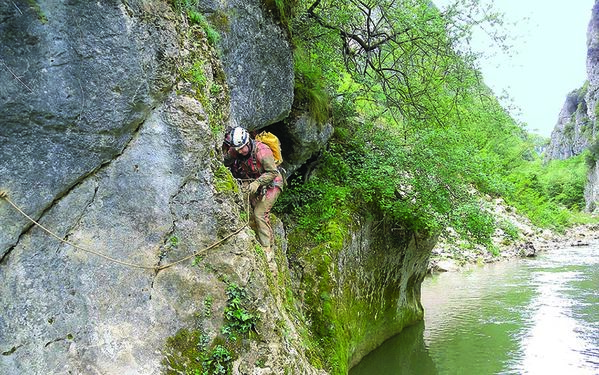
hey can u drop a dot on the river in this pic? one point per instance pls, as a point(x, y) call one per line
point(525, 316)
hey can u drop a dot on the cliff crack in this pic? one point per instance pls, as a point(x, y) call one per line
point(11, 350)
point(170, 240)
point(74, 185)
point(78, 220)
point(65, 338)
point(6, 254)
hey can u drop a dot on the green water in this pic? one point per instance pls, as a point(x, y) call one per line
point(530, 316)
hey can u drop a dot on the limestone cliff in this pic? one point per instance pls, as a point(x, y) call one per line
point(592, 187)
point(576, 128)
point(112, 115)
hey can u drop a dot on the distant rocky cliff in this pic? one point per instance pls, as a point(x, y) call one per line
point(112, 114)
point(576, 128)
point(592, 188)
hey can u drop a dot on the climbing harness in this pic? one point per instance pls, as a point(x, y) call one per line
point(4, 195)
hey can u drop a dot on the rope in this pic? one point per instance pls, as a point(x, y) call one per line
point(4, 195)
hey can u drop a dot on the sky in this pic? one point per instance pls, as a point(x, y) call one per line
point(548, 58)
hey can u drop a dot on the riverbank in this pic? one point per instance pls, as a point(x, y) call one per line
point(515, 237)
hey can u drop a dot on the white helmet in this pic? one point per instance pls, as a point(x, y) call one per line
point(239, 137)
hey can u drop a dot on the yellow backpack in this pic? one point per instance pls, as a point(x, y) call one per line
point(271, 141)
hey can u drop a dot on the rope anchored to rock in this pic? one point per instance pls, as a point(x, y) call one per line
point(4, 195)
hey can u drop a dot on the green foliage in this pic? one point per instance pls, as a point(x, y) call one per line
point(41, 16)
point(189, 7)
point(208, 306)
point(564, 181)
point(220, 20)
point(187, 353)
point(416, 185)
point(259, 250)
point(240, 320)
point(569, 130)
point(546, 193)
point(183, 351)
point(211, 34)
point(197, 260)
point(216, 89)
point(418, 140)
point(510, 230)
point(592, 155)
point(218, 363)
point(282, 10)
point(196, 75)
point(172, 242)
point(223, 179)
point(309, 91)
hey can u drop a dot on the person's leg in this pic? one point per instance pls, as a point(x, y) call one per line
point(261, 216)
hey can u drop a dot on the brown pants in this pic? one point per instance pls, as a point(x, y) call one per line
point(262, 205)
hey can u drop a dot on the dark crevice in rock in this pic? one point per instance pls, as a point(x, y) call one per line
point(80, 217)
point(6, 254)
point(281, 131)
point(11, 350)
point(65, 338)
point(67, 191)
point(166, 243)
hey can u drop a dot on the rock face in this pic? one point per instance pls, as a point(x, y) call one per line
point(77, 82)
point(360, 287)
point(576, 129)
point(112, 115)
point(256, 57)
point(592, 187)
point(301, 138)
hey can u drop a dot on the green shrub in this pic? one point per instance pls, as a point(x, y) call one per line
point(189, 7)
point(309, 91)
point(282, 10)
point(240, 319)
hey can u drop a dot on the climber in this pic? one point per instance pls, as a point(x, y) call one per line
point(254, 160)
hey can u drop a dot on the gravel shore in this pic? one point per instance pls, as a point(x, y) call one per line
point(452, 254)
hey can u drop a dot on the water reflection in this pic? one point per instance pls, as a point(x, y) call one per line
point(536, 316)
point(401, 354)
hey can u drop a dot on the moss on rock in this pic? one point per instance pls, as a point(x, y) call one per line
point(359, 287)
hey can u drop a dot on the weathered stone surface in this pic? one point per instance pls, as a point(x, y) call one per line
point(76, 80)
point(382, 268)
point(258, 63)
point(573, 132)
point(591, 189)
point(361, 287)
point(98, 147)
point(591, 194)
point(302, 138)
point(68, 310)
point(592, 62)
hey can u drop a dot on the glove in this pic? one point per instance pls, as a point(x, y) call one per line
point(254, 186)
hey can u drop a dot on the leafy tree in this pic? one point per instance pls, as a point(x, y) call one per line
point(419, 139)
